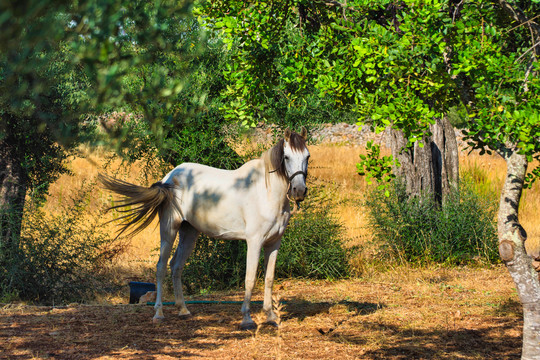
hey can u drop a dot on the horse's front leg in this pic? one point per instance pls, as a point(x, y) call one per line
point(270, 256)
point(253, 251)
point(167, 240)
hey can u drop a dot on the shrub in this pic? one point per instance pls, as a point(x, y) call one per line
point(215, 265)
point(202, 140)
point(58, 258)
point(312, 247)
point(417, 230)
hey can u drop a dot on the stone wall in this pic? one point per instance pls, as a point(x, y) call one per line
point(339, 134)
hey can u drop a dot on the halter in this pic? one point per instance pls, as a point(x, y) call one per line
point(300, 172)
point(290, 178)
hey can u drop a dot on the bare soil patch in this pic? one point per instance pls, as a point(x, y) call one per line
point(406, 313)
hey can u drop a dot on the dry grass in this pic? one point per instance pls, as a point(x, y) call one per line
point(491, 171)
point(334, 167)
point(141, 255)
point(332, 170)
point(404, 313)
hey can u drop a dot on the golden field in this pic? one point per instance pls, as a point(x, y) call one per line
point(332, 168)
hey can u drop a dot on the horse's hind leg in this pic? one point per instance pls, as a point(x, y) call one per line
point(168, 233)
point(188, 236)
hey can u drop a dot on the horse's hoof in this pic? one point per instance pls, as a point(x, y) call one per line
point(185, 315)
point(248, 326)
point(271, 323)
point(158, 319)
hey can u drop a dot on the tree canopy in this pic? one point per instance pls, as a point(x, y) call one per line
point(398, 64)
point(63, 62)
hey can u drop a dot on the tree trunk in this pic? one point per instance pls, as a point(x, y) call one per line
point(433, 168)
point(512, 239)
point(13, 182)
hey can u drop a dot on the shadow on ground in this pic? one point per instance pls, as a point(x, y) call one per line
point(499, 339)
point(127, 332)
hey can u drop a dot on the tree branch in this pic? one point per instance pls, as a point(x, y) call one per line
point(526, 52)
point(517, 14)
point(525, 23)
point(337, 4)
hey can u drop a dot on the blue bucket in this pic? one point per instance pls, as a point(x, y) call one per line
point(138, 289)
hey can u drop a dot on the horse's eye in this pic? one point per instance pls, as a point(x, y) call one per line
point(286, 158)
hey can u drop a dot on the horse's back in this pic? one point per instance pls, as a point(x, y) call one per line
point(201, 178)
point(214, 200)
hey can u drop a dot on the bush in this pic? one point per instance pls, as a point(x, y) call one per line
point(59, 258)
point(215, 265)
point(417, 230)
point(311, 248)
point(202, 140)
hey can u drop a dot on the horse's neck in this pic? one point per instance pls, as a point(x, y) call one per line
point(277, 188)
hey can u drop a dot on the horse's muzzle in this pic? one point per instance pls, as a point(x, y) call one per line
point(298, 193)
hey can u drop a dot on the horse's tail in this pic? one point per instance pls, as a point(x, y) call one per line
point(147, 202)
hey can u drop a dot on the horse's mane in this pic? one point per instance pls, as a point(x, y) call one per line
point(273, 158)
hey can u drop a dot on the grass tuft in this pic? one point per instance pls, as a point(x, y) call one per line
point(418, 230)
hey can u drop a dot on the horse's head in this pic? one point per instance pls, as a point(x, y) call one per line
point(295, 162)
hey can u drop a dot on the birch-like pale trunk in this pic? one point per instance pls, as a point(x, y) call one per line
point(512, 239)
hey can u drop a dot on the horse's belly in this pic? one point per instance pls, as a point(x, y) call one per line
point(224, 234)
point(220, 232)
point(219, 224)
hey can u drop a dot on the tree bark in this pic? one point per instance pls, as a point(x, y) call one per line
point(13, 183)
point(512, 239)
point(433, 168)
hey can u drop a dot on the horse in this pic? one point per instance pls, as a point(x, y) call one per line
point(250, 203)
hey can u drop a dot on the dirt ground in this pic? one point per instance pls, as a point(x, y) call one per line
point(405, 313)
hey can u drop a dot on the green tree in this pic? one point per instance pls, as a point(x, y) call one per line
point(62, 63)
point(404, 65)
point(194, 129)
point(291, 47)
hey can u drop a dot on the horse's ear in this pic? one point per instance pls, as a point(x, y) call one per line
point(303, 133)
point(287, 134)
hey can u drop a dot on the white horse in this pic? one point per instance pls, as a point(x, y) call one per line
point(250, 203)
